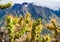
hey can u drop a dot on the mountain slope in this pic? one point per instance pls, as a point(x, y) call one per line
point(36, 11)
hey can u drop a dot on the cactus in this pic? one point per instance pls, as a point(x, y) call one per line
point(20, 32)
point(54, 27)
point(10, 28)
point(36, 30)
point(15, 20)
point(46, 38)
point(20, 20)
point(5, 5)
point(27, 17)
point(30, 28)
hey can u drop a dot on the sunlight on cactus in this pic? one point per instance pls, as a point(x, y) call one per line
point(10, 28)
point(4, 6)
point(58, 30)
point(26, 29)
point(50, 26)
point(55, 28)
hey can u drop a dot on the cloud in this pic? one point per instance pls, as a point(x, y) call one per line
point(53, 4)
point(50, 4)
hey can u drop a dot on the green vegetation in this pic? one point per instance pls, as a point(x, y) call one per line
point(10, 27)
point(26, 29)
point(4, 6)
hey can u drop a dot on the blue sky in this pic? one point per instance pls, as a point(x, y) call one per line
point(53, 4)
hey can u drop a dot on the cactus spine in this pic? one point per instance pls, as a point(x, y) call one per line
point(36, 30)
point(10, 27)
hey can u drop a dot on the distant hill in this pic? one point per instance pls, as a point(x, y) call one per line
point(36, 11)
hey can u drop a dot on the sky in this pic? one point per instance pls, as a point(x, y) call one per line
point(53, 4)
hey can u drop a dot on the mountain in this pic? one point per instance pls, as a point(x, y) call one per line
point(36, 11)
